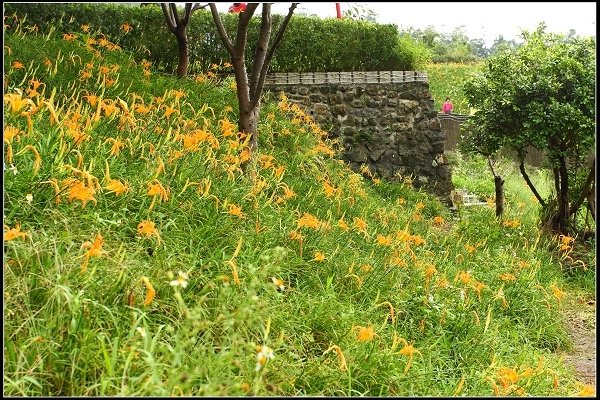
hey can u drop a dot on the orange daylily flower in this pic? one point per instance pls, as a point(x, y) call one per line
point(407, 350)
point(117, 145)
point(429, 272)
point(559, 294)
point(360, 225)
point(319, 256)
point(95, 250)
point(92, 99)
point(365, 334)
point(85, 74)
point(366, 268)
point(465, 277)
point(10, 132)
point(142, 109)
point(511, 223)
point(294, 235)
point(329, 190)
point(109, 108)
point(150, 292)
point(17, 102)
point(384, 240)
point(116, 186)
point(227, 127)
point(343, 365)
point(13, 233)
point(169, 111)
point(78, 191)
point(308, 220)
point(178, 94)
point(507, 377)
point(506, 277)
point(146, 228)
point(417, 240)
point(157, 190)
point(235, 210)
point(342, 224)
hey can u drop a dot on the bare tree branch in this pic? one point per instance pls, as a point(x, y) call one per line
point(585, 189)
point(198, 6)
point(168, 17)
point(530, 184)
point(175, 15)
point(239, 58)
point(242, 30)
point(187, 14)
point(261, 49)
point(265, 67)
point(221, 29)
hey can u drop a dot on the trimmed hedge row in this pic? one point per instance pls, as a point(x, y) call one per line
point(309, 44)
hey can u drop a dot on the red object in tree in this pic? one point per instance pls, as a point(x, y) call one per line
point(237, 8)
point(339, 10)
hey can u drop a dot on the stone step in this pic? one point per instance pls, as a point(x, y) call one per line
point(462, 197)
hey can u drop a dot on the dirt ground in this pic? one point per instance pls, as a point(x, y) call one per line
point(580, 320)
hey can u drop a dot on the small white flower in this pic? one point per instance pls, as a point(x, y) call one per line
point(29, 198)
point(265, 353)
point(181, 280)
point(278, 282)
point(13, 169)
point(142, 331)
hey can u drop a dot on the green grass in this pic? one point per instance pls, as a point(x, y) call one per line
point(411, 273)
point(446, 79)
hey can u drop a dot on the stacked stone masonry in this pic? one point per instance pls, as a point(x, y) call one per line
point(383, 119)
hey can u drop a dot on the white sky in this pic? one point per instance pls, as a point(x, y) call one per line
point(484, 20)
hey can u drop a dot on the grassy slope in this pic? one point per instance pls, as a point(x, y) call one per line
point(410, 279)
point(446, 79)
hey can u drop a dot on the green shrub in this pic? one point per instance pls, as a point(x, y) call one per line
point(309, 44)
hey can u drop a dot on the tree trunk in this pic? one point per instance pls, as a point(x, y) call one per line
point(248, 124)
point(563, 198)
point(559, 218)
point(592, 203)
point(184, 53)
point(499, 186)
point(529, 183)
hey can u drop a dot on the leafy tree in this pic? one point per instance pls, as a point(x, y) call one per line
point(478, 48)
point(502, 44)
point(360, 12)
point(541, 94)
point(249, 89)
point(178, 25)
point(453, 47)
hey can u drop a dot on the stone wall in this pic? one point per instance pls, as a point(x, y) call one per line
point(385, 120)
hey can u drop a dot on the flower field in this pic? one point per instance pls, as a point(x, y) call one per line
point(141, 259)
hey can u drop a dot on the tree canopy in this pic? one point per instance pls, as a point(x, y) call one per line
point(541, 94)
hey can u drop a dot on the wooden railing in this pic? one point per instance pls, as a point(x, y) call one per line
point(453, 117)
point(357, 77)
